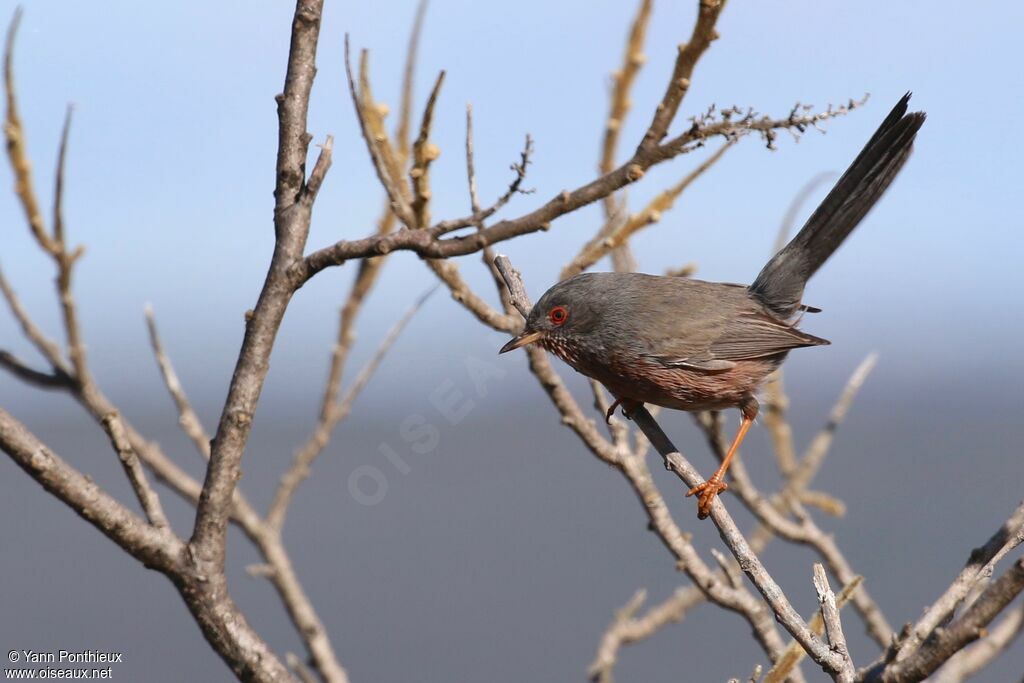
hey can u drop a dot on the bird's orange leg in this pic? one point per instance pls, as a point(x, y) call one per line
point(707, 491)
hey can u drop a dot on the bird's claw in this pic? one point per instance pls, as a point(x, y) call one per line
point(611, 411)
point(628, 406)
point(706, 493)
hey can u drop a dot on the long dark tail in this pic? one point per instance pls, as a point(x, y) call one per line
point(780, 284)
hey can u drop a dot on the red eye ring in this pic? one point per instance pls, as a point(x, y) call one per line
point(558, 315)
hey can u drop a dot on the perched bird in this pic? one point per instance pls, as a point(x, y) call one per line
point(693, 345)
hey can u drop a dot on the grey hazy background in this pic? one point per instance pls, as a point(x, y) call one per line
point(502, 554)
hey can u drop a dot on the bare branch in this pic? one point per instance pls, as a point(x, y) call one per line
point(54, 246)
point(408, 80)
point(804, 531)
point(449, 274)
point(424, 153)
point(486, 254)
point(154, 546)
point(428, 243)
point(786, 664)
point(323, 163)
point(979, 567)
point(737, 544)
point(514, 282)
point(158, 548)
point(621, 231)
point(187, 418)
point(371, 123)
point(793, 210)
point(37, 378)
point(16, 149)
point(480, 215)
point(943, 643)
point(46, 346)
point(626, 628)
point(304, 458)
point(816, 452)
point(689, 54)
point(825, 502)
point(833, 625)
point(58, 191)
point(281, 575)
point(300, 669)
point(292, 216)
point(136, 475)
point(622, 84)
point(772, 513)
point(775, 405)
point(971, 660)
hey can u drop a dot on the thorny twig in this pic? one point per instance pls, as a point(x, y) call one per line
point(431, 243)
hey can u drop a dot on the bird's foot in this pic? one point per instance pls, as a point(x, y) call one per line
point(628, 405)
point(611, 411)
point(706, 493)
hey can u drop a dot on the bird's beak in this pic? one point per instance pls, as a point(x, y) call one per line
point(522, 340)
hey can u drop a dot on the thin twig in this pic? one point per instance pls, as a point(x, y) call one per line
point(973, 659)
point(300, 668)
point(480, 215)
point(156, 547)
point(833, 625)
point(136, 475)
point(16, 151)
point(37, 378)
point(376, 144)
point(738, 545)
point(816, 452)
point(307, 454)
point(58, 189)
point(770, 513)
point(979, 567)
point(775, 405)
point(424, 153)
point(622, 84)
point(793, 210)
point(795, 652)
point(461, 292)
point(947, 641)
point(46, 346)
point(486, 254)
point(598, 247)
point(627, 628)
point(428, 243)
point(690, 53)
point(187, 418)
point(619, 105)
point(408, 80)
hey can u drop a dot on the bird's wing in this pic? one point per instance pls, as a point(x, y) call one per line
point(756, 335)
point(747, 336)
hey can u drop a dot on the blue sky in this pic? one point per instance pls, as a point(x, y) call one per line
point(170, 170)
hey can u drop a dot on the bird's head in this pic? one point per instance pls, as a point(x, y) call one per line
point(563, 318)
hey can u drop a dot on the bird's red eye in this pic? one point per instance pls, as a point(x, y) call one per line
point(558, 315)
